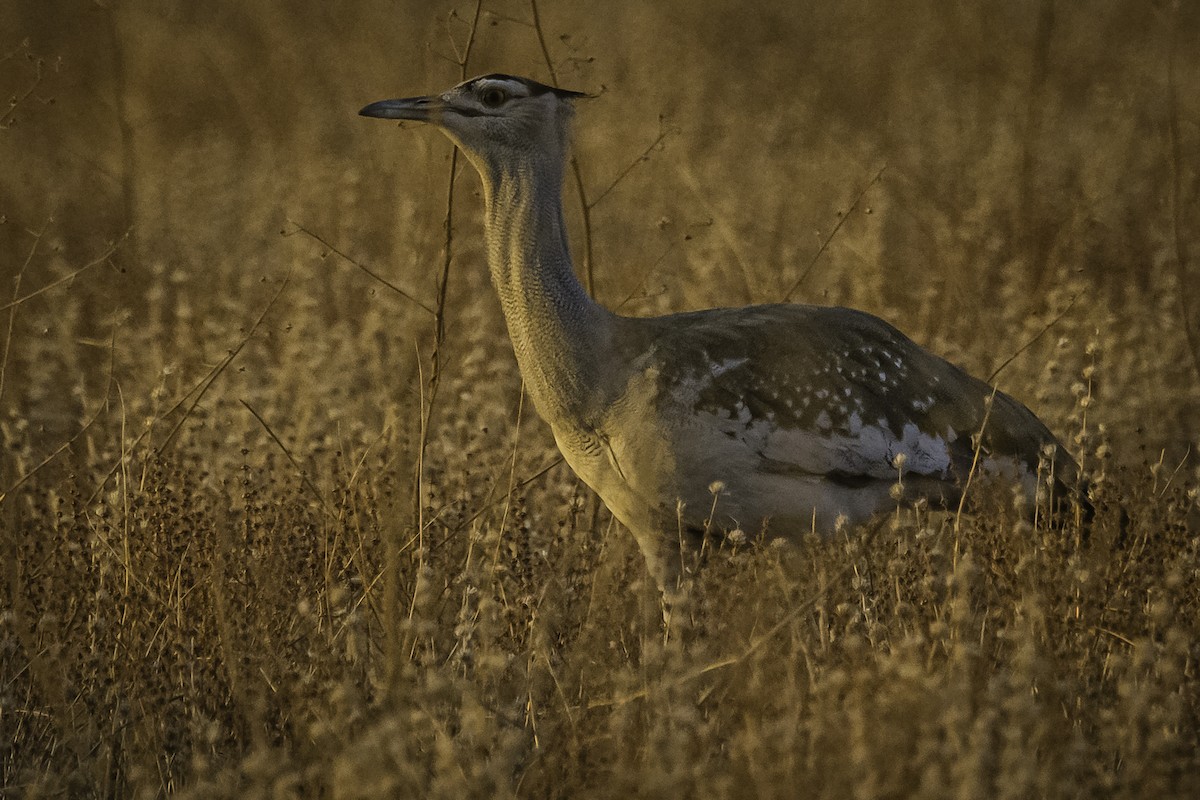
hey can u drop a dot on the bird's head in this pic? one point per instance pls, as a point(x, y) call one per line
point(495, 119)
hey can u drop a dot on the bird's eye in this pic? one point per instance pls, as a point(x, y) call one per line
point(493, 97)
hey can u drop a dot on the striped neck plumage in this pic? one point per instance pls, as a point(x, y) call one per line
point(558, 332)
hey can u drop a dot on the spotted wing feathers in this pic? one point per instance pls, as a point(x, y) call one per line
point(838, 393)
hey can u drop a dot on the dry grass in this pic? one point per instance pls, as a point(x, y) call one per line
point(244, 555)
point(216, 627)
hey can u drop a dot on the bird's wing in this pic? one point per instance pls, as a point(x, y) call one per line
point(835, 393)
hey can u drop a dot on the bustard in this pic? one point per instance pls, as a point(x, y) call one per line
point(793, 414)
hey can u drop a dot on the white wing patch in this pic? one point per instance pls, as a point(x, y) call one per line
point(730, 363)
point(862, 448)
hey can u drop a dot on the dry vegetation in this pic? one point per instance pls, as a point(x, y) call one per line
point(250, 546)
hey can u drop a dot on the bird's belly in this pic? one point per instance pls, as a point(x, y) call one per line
point(788, 506)
point(725, 482)
point(657, 478)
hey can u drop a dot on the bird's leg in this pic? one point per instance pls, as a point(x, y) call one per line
point(664, 562)
point(669, 560)
point(671, 607)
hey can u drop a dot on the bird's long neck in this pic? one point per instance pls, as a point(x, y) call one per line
point(559, 333)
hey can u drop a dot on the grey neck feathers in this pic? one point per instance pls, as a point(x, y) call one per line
point(558, 332)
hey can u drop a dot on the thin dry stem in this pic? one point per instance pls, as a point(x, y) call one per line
point(1191, 325)
point(585, 208)
point(787, 296)
point(312, 487)
point(370, 272)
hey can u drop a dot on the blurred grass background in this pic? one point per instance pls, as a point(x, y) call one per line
point(216, 575)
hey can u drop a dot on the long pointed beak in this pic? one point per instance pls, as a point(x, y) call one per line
point(421, 109)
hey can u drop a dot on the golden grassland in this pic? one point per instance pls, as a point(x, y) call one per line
point(265, 533)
